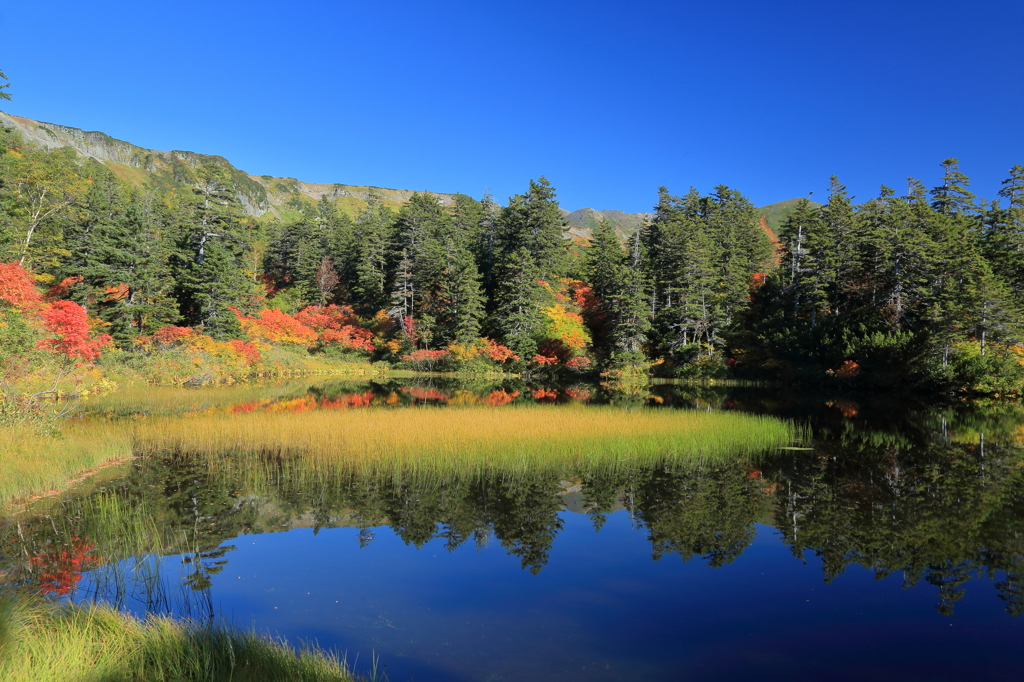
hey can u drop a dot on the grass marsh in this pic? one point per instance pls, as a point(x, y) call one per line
point(34, 463)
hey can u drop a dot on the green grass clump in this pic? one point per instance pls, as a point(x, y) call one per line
point(43, 642)
point(31, 463)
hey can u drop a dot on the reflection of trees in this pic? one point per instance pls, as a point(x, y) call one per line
point(934, 510)
point(707, 512)
point(935, 495)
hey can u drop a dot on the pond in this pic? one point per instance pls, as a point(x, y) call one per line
point(885, 541)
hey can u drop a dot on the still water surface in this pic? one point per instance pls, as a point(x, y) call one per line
point(893, 548)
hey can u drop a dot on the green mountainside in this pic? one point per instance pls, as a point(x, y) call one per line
point(281, 198)
point(775, 214)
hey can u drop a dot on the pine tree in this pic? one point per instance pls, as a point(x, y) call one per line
point(605, 259)
point(1004, 234)
point(952, 197)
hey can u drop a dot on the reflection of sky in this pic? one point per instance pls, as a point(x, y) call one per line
point(601, 609)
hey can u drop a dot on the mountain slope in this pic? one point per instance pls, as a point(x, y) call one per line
point(280, 197)
point(260, 194)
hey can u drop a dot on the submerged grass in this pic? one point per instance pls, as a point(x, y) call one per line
point(460, 439)
point(43, 642)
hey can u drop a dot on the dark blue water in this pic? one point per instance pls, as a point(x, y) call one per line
point(603, 610)
point(892, 550)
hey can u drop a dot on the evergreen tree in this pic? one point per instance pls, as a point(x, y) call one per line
point(517, 317)
point(533, 221)
point(605, 259)
point(952, 197)
point(210, 257)
point(373, 236)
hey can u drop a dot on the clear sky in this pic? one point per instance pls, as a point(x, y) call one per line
point(609, 100)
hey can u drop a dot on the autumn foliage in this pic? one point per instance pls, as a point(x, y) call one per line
point(337, 326)
point(18, 289)
point(67, 322)
point(274, 326)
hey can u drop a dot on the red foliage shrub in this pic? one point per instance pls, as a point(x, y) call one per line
point(426, 355)
point(579, 364)
point(554, 348)
point(542, 360)
point(346, 401)
point(68, 321)
point(168, 336)
point(18, 288)
point(274, 326)
point(499, 353)
point(337, 325)
point(247, 350)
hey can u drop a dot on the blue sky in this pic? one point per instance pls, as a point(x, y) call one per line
point(608, 100)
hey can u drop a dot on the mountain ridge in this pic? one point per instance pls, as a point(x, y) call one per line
point(282, 197)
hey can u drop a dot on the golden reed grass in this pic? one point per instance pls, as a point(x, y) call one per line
point(469, 437)
point(442, 440)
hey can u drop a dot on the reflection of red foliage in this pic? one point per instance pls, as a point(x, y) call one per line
point(496, 398)
point(577, 393)
point(545, 395)
point(425, 393)
point(848, 408)
point(68, 321)
point(61, 570)
point(345, 401)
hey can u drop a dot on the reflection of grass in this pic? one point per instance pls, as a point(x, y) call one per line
point(452, 439)
point(40, 642)
point(146, 399)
